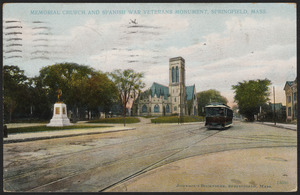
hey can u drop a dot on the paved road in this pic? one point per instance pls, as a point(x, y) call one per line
point(98, 162)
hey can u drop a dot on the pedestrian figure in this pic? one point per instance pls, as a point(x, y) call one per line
point(4, 131)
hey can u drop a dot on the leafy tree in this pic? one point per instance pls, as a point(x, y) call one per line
point(250, 95)
point(205, 97)
point(69, 77)
point(41, 105)
point(100, 91)
point(16, 92)
point(129, 84)
point(83, 88)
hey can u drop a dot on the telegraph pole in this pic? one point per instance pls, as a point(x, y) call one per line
point(274, 113)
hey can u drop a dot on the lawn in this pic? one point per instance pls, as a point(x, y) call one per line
point(45, 128)
point(116, 120)
point(175, 119)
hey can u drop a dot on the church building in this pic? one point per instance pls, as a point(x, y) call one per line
point(175, 99)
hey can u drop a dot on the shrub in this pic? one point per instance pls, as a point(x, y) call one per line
point(116, 120)
point(176, 119)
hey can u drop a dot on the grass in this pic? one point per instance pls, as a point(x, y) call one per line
point(116, 120)
point(28, 121)
point(45, 128)
point(174, 119)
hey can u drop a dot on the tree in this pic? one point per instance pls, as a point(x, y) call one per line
point(40, 105)
point(250, 95)
point(205, 97)
point(69, 77)
point(83, 87)
point(129, 84)
point(100, 91)
point(16, 92)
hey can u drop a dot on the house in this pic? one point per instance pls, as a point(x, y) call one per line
point(290, 89)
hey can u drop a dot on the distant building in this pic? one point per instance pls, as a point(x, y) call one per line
point(290, 89)
point(176, 98)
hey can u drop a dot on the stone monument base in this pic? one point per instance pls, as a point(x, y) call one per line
point(60, 117)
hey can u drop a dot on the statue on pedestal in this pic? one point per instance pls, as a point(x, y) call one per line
point(59, 93)
point(60, 117)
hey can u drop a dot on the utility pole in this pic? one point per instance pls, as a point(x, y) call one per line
point(274, 114)
point(124, 112)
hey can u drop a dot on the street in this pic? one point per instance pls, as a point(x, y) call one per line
point(93, 163)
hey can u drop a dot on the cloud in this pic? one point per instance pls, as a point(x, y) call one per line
point(246, 48)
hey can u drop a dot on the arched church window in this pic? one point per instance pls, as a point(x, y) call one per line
point(175, 108)
point(175, 99)
point(177, 74)
point(144, 108)
point(173, 75)
point(156, 108)
point(167, 108)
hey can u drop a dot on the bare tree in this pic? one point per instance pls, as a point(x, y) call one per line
point(129, 84)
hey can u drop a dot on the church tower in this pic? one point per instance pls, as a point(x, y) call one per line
point(177, 85)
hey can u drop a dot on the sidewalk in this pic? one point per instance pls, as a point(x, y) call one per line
point(249, 170)
point(280, 125)
point(23, 137)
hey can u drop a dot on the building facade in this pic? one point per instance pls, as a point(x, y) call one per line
point(175, 99)
point(290, 89)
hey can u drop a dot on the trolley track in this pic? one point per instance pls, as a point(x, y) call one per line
point(229, 148)
point(168, 155)
point(179, 134)
point(149, 167)
point(154, 165)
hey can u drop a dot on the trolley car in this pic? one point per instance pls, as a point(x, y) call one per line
point(218, 116)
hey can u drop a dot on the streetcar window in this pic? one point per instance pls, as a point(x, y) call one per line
point(214, 111)
point(230, 113)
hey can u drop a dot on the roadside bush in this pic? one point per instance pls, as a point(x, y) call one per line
point(116, 120)
point(176, 119)
point(148, 116)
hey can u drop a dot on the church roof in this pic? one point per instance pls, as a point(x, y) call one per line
point(189, 90)
point(159, 90)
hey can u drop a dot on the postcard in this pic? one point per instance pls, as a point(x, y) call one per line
point(149, 97)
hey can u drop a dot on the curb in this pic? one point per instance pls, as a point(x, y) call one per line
point(60, 136)
point(279, 126)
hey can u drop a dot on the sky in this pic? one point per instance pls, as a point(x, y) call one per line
point(222, 43)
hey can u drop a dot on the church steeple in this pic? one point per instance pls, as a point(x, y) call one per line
point(177, 85)
point(176, 71)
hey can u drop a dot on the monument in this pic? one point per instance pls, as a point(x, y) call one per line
point(60, 117)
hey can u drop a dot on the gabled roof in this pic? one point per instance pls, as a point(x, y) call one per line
point(159, 90)
point(288, 83)
point(189, 90)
